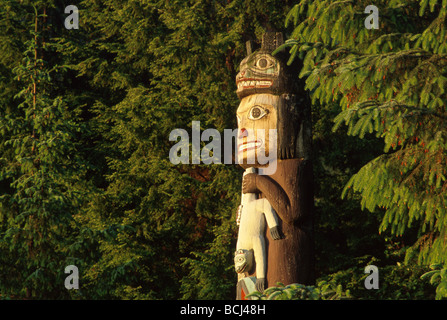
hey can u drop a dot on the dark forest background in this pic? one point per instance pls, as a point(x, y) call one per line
point(85, 117)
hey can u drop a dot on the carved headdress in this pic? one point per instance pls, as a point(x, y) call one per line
point(261, 72)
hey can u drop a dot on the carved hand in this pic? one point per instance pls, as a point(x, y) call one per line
point(274, 232)
point(249, 183)
point(260, 284)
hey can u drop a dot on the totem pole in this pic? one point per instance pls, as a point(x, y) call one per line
point(273, 100)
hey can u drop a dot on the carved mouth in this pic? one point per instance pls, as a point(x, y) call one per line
point(240, 269)
point(248, 83)
point(249, 145)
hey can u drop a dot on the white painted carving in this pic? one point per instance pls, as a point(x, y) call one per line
point(252, 215)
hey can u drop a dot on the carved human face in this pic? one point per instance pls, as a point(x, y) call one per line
point(259, 72)
point(257, 124)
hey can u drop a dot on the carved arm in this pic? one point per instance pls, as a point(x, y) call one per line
point(275, 194)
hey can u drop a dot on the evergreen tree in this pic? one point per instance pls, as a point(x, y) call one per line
point(41, 171)
point(343, 236)
point(169, 230)
point(389, 81)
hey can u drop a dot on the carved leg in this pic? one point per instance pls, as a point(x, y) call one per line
point(260, 259)
point(263, 205)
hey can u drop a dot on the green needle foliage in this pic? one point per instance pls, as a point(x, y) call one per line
point(437, 277)
point(148, 67)
point(39, 166)
point(389, 82)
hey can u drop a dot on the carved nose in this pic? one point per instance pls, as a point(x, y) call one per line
point(243, 133)
point(240, 75)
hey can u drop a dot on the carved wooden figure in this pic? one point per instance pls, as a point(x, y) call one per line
point(250, 243)
point(271, 99)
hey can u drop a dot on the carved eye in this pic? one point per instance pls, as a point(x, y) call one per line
point(256, 113)
point(264, 63)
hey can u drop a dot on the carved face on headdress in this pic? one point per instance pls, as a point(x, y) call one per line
point(260, 72)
